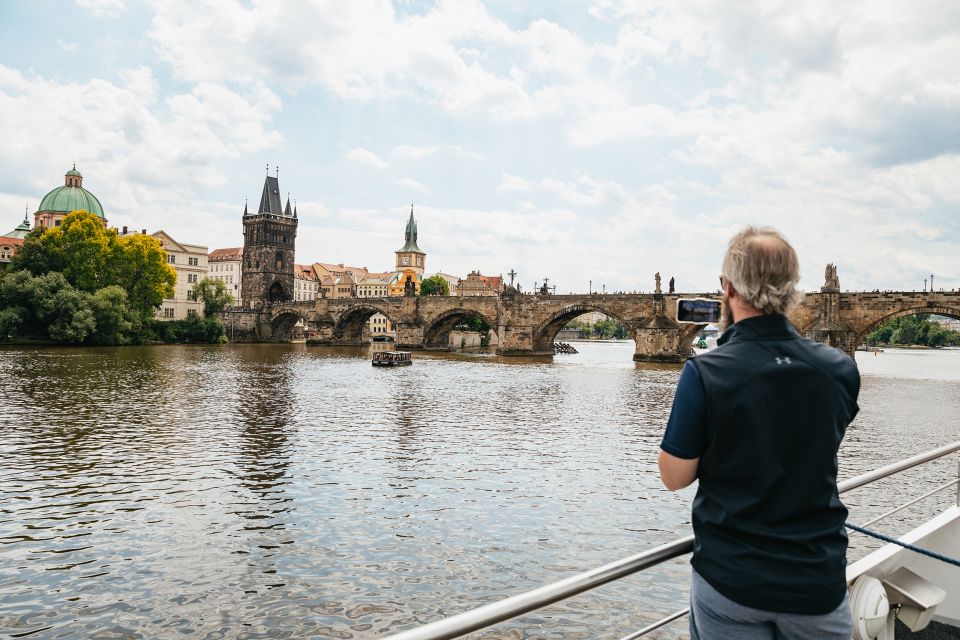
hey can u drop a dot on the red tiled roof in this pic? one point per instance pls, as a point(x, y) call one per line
point(304, 272)
point(15, 242)
point(221, 255)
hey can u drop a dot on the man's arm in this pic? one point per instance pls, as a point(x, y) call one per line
point(676, 473)
point(685, 438)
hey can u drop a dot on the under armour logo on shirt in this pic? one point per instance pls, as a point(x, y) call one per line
point(783, 360)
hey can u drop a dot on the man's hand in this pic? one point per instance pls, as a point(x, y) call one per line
point(676, 473)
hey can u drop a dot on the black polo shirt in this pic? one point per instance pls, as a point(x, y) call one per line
point(767, 518)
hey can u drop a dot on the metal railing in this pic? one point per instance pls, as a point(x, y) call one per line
point(514, 606)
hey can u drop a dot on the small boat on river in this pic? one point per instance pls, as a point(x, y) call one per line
point(392, 359)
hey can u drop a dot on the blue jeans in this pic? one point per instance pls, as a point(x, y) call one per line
point(713, 616)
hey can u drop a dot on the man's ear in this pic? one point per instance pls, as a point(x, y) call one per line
point(729, 290)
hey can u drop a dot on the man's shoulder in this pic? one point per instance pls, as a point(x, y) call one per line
point(741, 355)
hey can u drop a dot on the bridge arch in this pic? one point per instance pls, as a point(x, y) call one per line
point(949, 312)
point(436, 333)
point(546, 333)
point(352, 321)
point(284, 325)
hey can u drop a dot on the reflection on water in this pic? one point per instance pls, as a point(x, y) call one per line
point(290, 491)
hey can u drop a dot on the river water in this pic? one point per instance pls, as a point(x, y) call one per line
point(281, 491)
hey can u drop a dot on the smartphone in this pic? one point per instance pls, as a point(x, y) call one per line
point(698, 310)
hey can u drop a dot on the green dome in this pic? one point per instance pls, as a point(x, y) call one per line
point(67, 199)
point(71, 197)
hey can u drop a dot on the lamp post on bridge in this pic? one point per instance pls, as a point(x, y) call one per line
point(590, 288)
point(931, 283)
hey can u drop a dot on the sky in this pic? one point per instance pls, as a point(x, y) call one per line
point(594, 143)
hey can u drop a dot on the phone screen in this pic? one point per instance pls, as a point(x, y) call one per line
point(698, 310)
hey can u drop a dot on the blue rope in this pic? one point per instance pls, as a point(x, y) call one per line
point(920, 550)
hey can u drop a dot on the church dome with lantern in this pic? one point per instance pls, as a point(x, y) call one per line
point(59, 202)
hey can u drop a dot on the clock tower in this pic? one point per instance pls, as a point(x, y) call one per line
point(409, 256)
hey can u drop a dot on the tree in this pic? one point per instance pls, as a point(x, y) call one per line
point(81, 248)
point(214, 296)
point(45, 306)
point(92, 257)
point(116, 322)
point(434, 286)
point(143, 272)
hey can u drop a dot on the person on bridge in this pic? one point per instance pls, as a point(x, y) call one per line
point(758, 421)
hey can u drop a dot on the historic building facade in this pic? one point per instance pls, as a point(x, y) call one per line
point(338, 280)
point(226, 265)
point(477, 284)
point(59, 202)
point(306, 283)
point(190, 263)
point(269, 241)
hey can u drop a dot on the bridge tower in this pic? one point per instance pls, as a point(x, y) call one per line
point(269, 241)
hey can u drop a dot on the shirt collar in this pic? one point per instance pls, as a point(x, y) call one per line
point(766, 327)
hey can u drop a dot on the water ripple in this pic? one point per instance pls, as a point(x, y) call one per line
point(284, 491)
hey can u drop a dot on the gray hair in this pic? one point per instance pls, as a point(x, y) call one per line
point(763, 268)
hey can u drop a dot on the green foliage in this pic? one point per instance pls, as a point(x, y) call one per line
point(916, 329)
point(45, 306)
point(115, 322)
point(92, 257)
point(472, 323)
point(81, 283)
point(434, 286)
point(214, 296)
point(194, 329)
point(609, 328)
point(144, 274)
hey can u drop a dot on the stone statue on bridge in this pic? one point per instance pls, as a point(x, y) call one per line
point(656, 277)
point(672, 289)
point(831, 281)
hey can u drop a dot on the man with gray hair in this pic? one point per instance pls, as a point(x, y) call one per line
point(758, 421)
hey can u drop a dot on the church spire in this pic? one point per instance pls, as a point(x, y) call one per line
point(287, 211)
point(410, 234)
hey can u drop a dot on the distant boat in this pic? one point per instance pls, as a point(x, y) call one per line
point(391, 359)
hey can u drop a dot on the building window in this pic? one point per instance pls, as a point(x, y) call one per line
point(192, 295)
point(191, 313)
point(167, 312)
point(191, 277)
point(171, 259)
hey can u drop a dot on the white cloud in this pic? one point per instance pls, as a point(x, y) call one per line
point(141, 154)
point(652, 130)
point(414, 152)
point(413, 184)
point(109, 8)
point(67, 46)
point(514, 183)
point(369, 158)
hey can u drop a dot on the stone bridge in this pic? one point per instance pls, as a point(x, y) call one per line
point(528, 324)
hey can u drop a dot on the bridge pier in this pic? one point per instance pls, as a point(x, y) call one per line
point(518, 340)
point(409, 335)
